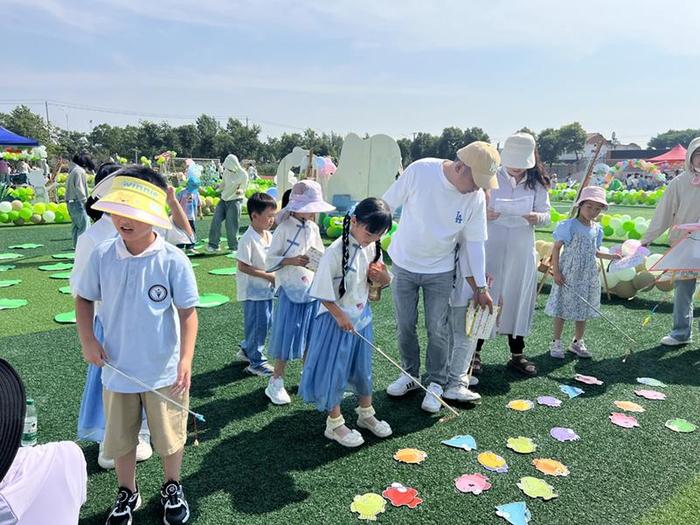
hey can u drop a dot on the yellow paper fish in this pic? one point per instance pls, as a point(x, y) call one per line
point(368, 506)
point(410, 455)
point(537, 488)
point(520, 405)
point(492, 461)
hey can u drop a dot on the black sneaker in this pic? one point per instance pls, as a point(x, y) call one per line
point(126, 504)
point(175, 507)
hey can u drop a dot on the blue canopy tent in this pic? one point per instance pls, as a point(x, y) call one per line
point(7, 138)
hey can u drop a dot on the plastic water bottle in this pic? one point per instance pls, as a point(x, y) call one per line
point(30, 425)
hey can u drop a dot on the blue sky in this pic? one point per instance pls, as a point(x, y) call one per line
point(394, 67)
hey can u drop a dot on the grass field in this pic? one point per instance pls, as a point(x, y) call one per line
point(260, 464)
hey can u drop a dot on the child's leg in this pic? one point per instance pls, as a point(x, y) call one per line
point(558, 328)
point(125, 467)
point(579, 329)
point(365, 401)
point(122, 424)
point(279, 368)
point(172, 465)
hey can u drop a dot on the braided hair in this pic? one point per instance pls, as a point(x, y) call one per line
point(375, 215)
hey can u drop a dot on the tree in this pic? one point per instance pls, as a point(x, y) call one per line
point(405, 148)
point(672, 137)
point(474, 134)
point(525, 129)
point(572, 138)
point(188, 140)
point(449, 142)
point(549, 145)
point(424, 145)
point(208, 127)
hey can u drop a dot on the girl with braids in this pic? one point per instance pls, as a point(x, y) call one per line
point(295, 235)
point(337, 357)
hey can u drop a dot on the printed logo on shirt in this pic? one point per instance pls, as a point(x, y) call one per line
point(459, 219)
point(157, 293)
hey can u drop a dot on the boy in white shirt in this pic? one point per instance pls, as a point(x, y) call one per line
point(255, 286)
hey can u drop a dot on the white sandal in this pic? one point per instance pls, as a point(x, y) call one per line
point(380, 428)
point(351, 440)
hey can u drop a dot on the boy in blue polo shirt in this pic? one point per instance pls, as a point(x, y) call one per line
point(148, 295)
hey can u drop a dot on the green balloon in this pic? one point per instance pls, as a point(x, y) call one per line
point(4, 218)
point(334, 232)
point(628, 226)
point(25, 214)
point(634, 234)
point(386, 241)
point(13, 215)
point(608, 231)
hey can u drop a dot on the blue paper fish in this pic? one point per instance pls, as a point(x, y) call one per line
point(571, 391)
point(515, 513)
point(465, 442)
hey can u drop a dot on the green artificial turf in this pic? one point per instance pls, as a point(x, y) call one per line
point(262, 464)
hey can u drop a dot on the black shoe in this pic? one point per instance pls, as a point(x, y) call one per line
point(126, 504)
point(175, 507)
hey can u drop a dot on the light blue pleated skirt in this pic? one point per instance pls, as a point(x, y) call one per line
point(336, 360)
point(291, 323)
point(91, 419)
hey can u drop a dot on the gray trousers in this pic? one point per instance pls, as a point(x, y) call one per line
point(230, 212)
point(436, 288)
point(683, 309)
point(79, 219)
point(461, 352)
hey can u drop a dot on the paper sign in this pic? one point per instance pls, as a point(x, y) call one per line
point(626, 262)
point(314, 256)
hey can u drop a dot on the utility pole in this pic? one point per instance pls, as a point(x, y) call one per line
point(48, 122)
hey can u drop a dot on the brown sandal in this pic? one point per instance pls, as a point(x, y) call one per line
point(522, 365)
point(476, 364)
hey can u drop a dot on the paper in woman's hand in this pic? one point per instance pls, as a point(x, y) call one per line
point(314, 256)
point(512, 211)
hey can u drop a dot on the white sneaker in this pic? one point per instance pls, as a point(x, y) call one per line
point(276, 392)
point(144, 449)
point(461, 393)
point(555, 350)
point(579, 348)
point(473, 381)
point(211, 249)
point(430, 402)
point(402, 386)
point(102, 460)
point(240, 356)
point(669, 340)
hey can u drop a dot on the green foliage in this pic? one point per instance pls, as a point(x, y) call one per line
point(672, 137)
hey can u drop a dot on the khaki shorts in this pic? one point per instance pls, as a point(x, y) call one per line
point(166, 422)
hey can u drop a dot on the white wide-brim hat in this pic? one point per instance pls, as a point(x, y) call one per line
point(519, 152)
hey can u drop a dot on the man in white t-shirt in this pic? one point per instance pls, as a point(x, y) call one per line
point(441, 199)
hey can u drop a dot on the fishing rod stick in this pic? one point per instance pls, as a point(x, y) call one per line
point(442, 402)
point(144, 385)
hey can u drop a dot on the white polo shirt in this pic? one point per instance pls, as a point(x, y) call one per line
point(252, 250)
point(291, 238)
point(326, 284)
point(433, 214)
point(140, 295)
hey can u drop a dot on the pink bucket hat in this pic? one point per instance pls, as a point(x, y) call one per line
point(306, 197)
point(592, 193)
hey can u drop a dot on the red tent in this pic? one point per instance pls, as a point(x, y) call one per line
point(674, 155)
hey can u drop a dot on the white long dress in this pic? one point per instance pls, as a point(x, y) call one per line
point(510, 252)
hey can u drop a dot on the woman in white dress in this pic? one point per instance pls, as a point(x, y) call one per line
point(520, 203)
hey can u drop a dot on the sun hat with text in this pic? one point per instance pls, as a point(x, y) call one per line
point(135, 199)
point(483, 159)
point(519, 152)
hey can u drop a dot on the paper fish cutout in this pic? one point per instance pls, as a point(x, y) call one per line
point(551, 467)
point(410, 455)
point(520, 405)
point(7, 267)
point(515, 513)
point(368, 506)
point(400, 496)
point(537, 488)
point(571, 391)
point(472, 483)
point(25, 246)
point(650, 381)
point(549, 401)
point(9, 256)
point(681, 425)
point(564, 434)
point(623, 420)
point(651, 394)
point(493, 462)
point(465, 442)
point(521, 445)
point(589, 380)
point(55, 267)
point(629, 406)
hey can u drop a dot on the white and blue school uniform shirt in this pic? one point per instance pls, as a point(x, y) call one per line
point(291, 238)
point(326, 284)
point(434, 213)
point(252, 250)
point(140, 295)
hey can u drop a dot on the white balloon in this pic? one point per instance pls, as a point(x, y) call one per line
point(626, 275)
point(5, 207)
point(613, 279)
point(49, 216)
point(651, 261)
